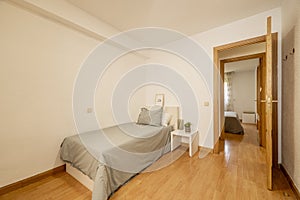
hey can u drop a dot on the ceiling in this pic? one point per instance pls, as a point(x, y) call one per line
point(187, 16)
point(244, 65)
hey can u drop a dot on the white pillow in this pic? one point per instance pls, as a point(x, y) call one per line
point(166, 118)
point(155, 108)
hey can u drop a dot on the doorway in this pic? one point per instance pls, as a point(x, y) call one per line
point(243, 87)
point(218, 86)
point(267, 100)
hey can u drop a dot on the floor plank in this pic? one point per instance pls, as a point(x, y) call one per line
point(238, 172)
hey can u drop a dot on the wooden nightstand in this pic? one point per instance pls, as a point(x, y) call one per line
point(193, 138)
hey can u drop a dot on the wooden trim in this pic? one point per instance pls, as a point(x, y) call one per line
point(222, 73)
point(258, 99)
point(290, 181)
point(210, 150)
point(250, 41)
point(216, 149)
point(32, 179)
point(240, 58)
point(275, 97)
point(269, 118)
point(216, 71)
point(262, 117)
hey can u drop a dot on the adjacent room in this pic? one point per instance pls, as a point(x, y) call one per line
point(239, 93)
point(149, 99)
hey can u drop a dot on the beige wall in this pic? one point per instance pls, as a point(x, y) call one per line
point(197, 84)
point(106, 89)
point(243, 91)
point(291, 90)
point(39, 62)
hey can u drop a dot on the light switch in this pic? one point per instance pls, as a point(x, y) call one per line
point(89, 110)
point(206, 103)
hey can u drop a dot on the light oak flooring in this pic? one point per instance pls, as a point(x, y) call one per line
point(238, 172)
point(56, 187)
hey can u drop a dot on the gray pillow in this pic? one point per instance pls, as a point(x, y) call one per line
point(150, 117)
point(144, 117)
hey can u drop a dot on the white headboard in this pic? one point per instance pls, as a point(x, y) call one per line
point(174, 111)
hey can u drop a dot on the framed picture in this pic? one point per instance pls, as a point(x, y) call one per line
point(159, 100)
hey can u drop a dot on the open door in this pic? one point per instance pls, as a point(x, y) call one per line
point(270, 109)
point(263, 94)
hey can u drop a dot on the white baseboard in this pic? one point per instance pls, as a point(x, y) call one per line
point(79, 176)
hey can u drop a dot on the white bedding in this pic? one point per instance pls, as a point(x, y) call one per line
point(230, 114)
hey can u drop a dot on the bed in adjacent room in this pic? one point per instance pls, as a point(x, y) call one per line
point(232, 123)
point(131, 148)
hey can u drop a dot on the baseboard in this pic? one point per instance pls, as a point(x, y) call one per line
point(291, 182)
point(200, 148)
point(209, 150)
point(27, 181)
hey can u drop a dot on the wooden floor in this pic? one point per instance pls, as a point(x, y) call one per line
point(238, 172)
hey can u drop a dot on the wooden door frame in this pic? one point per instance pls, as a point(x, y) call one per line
point(216, 83)
point(216, 86)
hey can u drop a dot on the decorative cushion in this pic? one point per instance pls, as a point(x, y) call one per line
point(150, 117)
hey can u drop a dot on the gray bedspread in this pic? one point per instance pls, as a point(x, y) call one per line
point(232, 123)
point(113, 155)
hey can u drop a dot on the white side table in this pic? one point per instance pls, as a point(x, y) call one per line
point(193, 137)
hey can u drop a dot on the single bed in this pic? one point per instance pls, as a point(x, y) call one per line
point(134, 148)
point(232, 123)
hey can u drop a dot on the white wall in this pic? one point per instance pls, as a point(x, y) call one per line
point(197, 85)
point(243, 91)
point(106, 89)
point(70, 15)
point(291, 90)
point(240, 30)
point(39, 63)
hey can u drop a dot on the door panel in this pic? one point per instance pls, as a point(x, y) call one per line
point(222, 74)
point(275, 97)
point(263, 104)
point(258, 98)
point(269, 124)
